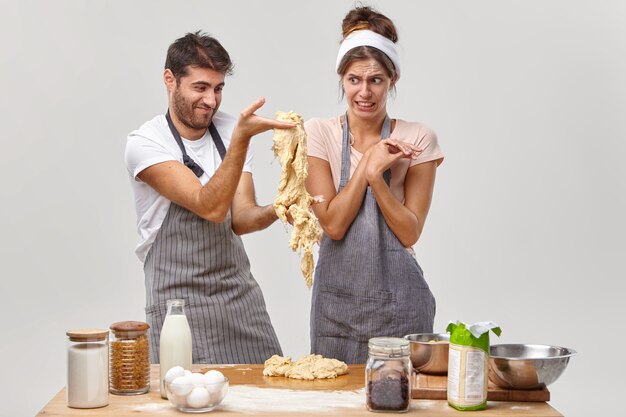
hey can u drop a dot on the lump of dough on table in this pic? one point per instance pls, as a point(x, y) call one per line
point(277, 365)
point(322, 364)
point(307, 367)
point(290, 148)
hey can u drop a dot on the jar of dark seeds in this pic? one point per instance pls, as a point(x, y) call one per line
point(129, 372)
point(388, 375)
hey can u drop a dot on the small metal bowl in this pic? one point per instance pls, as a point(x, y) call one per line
point(522, 366)
point(429, 352)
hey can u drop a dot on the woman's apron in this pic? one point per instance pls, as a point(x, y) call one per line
point(205, 264)
point(366, 284)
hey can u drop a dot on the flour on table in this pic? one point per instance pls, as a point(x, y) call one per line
point(290, 148)
point(254, 400)
point(164, 407)
point(307, 367)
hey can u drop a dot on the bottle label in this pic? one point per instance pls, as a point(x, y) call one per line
point(467, 376)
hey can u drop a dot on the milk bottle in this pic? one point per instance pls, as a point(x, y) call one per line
point(175, 342)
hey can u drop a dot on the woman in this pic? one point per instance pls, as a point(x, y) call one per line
point(375, 176)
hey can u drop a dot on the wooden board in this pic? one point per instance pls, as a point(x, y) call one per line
point(253, 375)
point(435, 387)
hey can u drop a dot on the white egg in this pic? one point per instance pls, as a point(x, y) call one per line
point(213, 376)
point(174, 373)
point(187, 372)
point(179, 400)
point(181, 386)
point(198, 398)
point(196, 379)
point(217, 393)
point(214, 397)
point(214, 381)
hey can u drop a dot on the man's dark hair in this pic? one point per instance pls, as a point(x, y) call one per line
point(197, 50)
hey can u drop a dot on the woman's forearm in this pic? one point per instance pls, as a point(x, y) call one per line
point(402, 221)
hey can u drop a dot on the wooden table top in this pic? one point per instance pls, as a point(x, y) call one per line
point(343, 396)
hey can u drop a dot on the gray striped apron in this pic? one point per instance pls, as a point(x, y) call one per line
point(366, 284)
point(205, 264)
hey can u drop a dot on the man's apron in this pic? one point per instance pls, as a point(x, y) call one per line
point(366, 284)
point(205, 264)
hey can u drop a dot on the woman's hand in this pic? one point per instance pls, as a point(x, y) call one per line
point(384, 154)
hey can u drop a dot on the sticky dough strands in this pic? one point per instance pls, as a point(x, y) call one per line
point(290, 148)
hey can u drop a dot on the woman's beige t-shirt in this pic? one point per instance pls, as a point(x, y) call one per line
point(324, 137)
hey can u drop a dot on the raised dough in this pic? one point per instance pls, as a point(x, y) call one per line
point(308, 367)
point(290, 148)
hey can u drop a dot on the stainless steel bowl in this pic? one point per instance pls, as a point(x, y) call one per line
point(521, 366)
point(429, 352)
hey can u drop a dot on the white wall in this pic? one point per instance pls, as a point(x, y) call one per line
point(526, 226)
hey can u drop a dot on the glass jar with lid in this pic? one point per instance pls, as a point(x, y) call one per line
point(388, 375)
point(130, 358)
point(87, 368)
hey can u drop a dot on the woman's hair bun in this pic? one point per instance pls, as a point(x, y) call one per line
point(364, 17)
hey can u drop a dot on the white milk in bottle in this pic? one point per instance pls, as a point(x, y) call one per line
point(175, 342)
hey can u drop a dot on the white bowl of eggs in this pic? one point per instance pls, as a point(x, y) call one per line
point(195, 392)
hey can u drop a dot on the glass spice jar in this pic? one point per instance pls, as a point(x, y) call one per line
point(388, 375)
point(130, 358)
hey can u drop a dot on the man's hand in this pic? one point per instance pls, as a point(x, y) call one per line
point(289, 216)
point(250, 124)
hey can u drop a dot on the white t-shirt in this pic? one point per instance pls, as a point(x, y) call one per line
point(153, 143)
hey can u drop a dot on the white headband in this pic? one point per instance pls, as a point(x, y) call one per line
point(369, 38)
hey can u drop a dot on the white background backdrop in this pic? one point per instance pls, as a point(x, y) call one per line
point(526, 227)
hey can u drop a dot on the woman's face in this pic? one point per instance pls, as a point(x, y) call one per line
point(366, 85)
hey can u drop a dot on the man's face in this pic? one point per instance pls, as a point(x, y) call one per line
point(197, 96)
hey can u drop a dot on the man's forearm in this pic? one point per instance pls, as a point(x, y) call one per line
point(217, 195)
point(254, 218)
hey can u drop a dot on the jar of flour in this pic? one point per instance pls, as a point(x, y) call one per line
point(87, 368)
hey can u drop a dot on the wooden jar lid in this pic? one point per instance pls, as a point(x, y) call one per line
point(129, 327)
point(87, 335)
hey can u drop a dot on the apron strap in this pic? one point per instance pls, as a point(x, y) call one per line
point(345, 150)
point(217, 140)
point(190, 163)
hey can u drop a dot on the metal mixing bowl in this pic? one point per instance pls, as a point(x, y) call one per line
point(429, 352)
point(521, 366)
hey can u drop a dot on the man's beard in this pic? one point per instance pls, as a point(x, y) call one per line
point(184, 111)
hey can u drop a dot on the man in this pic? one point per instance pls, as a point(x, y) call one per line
point(193, 200)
